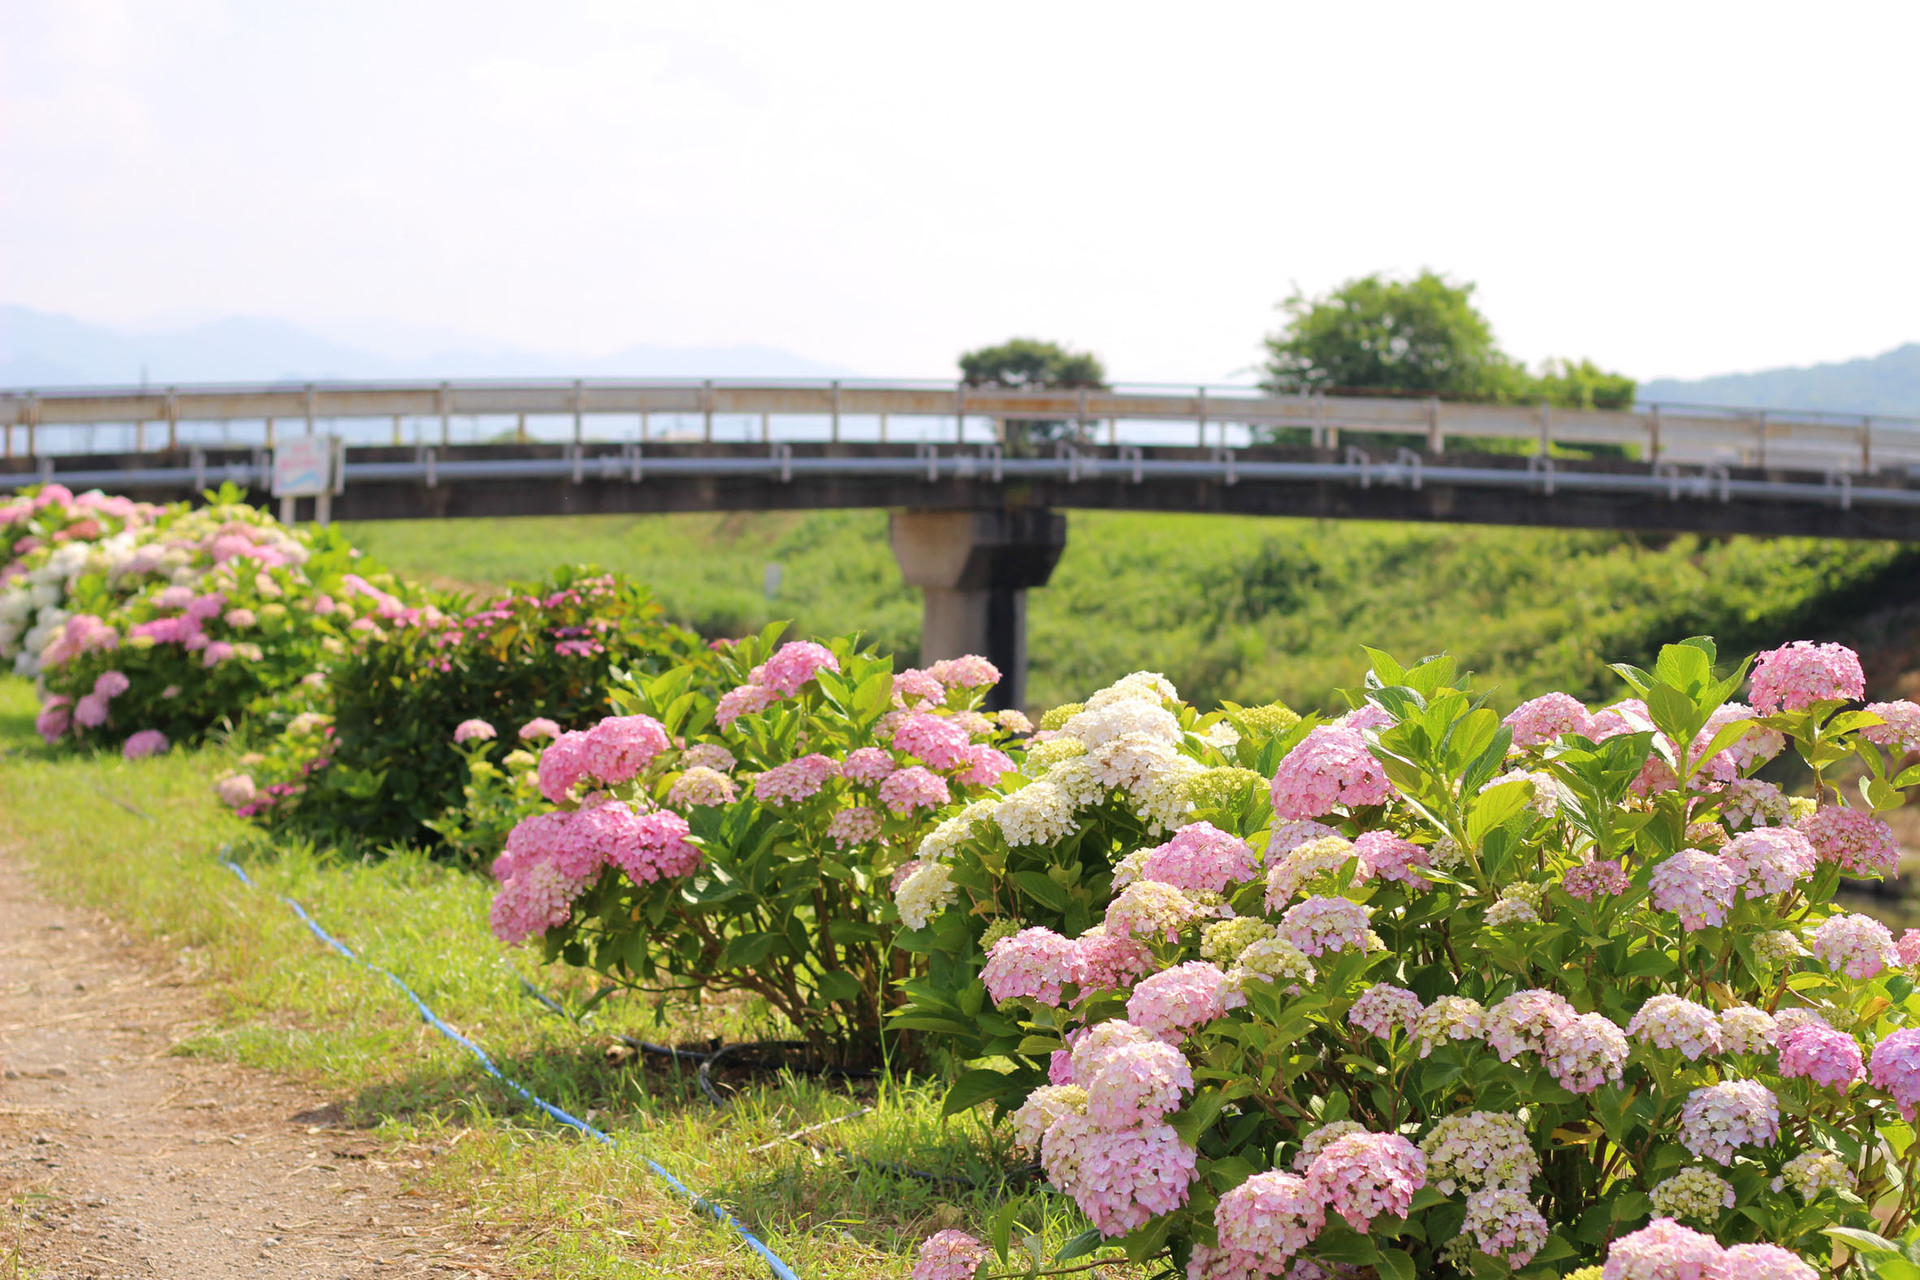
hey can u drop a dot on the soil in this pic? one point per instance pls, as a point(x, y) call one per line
point(120, 1159)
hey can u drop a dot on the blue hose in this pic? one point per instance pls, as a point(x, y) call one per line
point(780, 1269)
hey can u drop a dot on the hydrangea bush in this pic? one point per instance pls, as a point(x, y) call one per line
point(48, 536)
point(750, 840)
point(376, 762)
point(1564, 993)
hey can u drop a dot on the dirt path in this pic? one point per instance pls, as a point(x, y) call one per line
point(124, 1161)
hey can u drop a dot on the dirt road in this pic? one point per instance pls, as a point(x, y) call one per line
point(121, 1160)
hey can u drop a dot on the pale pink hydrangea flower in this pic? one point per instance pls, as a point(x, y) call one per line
point(530, 903)
point(1719, 1118)
point(1698, 887)
point(1668, 1022)
point(537, 728)
point(985, 766)
point(1749, 802)
point(1909, 948)
point(1102, 962)
point(1856, 945)
point(111, 684)
point(949, 1255)
point(1449, 1018)
point(936, 740)
point(1119, 1180)
point(1760, 1262)
point(1519, 1023)
point(473, 730)
point(1585, 1052)
point(1200, 858)
point(646, 846)
point(853, 826)
point(1480, 1149)
point(1382, 1008)
point(1175, 1001)
point(1330, 767)
point(1504, 1224)
point(1595, 879)
point(905, 790)
point(562, 765)
point(1795, 1017)
point(701, 786)
point(867, 764)
point(1320, 925)
point(742, 700)
point(56, 714)
point(1129, 761)
point(91, 711)
point(1662, 1250)
point(1363, 718)
point(1320, 1139)
point(1364, 1175)
point(1031, 964)
point(1795, 676)
point(705, 755)
point(1759, 743)
point(1861, 843)
point(1768, 860)
point(236, 791)
point(1043, 1106)
point(1269, 1218)
point(792, 782)
point(216, 652)
point(1136, 1085)
point(793, 664)
point(968, 671)
point(1696, 1193)
point(1147, 909)
point(1390, 857)
point(619, 747)
point(147, 742)
point(1821, 1054)
point(1288, 836)
point(1088, 1047)
point(1748, 1029)
point(1539, 721)
point(1812, 1172)
point(915, 686)
point(1901, 730)
point(1896, 1068)
point(1312, 860)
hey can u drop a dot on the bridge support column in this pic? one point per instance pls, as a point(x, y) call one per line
point(974, 569)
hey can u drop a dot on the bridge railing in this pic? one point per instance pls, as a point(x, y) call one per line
point(64, 421)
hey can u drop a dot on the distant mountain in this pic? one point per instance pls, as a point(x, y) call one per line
point(39, 349)
point(1888, 383)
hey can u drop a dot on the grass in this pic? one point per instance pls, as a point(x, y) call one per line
point(1229, 607)
point(139, 840)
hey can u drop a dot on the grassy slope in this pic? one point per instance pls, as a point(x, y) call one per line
point(1229, 607)
point(568, 1207)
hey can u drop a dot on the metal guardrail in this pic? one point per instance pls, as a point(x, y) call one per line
point(1126, 414)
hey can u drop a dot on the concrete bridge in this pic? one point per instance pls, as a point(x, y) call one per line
point(976, 506)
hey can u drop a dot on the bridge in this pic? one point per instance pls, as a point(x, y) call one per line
point(976, 501)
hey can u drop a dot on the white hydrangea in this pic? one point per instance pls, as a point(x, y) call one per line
point(1165, 802)
point(1546, 796)
point(1098, 725)
point(925, 894)
point(940, 843)
point(1042, 756)
point(1036, 814)
point(1074, 779)
point(1148, 686)
point(1130, 760)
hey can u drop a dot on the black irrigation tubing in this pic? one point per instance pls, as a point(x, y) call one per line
point(780, 1269)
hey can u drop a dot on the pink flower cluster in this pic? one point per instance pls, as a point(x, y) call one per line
point(905, 790)
point(1859, 842)
point(1175, 1001)
point(473, 731)
point(1719, 1118)
point(798, 779)
point(1668, 1022)
point(1329, 768)
point(1665, 1250)
point(1265, 1221)
point(1795, 676)
point(937, 740)
point(1856, 945)
point(1821, 1054)
point(949, 1255)
point(1320, 925)
point(1200, 858)
point(1539, 721)
point(145, 742)
point(1363, 1175)
point(1768, 860)
point(1031, 964)
point(1895, 1067)
point(611, 752)
point(1391, 857)
point(1698, 887)
point(569, 847)
point(1901, 732)
point(1596, 879)
point(1384, 1008)
point(866, 764)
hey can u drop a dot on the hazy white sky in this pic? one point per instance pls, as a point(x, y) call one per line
point(1671, 189)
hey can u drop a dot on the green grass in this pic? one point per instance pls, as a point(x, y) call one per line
point(1229, 607)
point(565, 1206)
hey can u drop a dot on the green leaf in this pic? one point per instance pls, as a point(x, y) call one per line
point(1394, 1264)
point(1001, 1231)
point(838, 984)
point(1494, 806)
point(1389, 671)
point(1080, 1246)
point(1861, 1241)
point(1684, 666)
point(1037, 885)
point(1198, 1116)
point(873, 695)
point(975, 1087)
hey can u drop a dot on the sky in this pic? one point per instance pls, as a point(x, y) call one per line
point(1671, 190)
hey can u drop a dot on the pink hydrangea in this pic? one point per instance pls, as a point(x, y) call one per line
point(708, 755)
point(1595, 879)
point(1749, 802)
point(1759, 743)
point(1330, 767)
point(1539, 721)
point(701, 787)
point(537, 728)
point(1821, 1054)
point(1321, 924)
point(1200, 858)
point(1861, 843)
point(1901, 732)
point(985, 766)
point(1668, 1022)
point(1760, 1262)
point(867, 764)
point(905, 790)
point(530, 903)
point(1504, 1224)
point(1662, 1250)
point(1031, 964)
point(793, 664)
point(742, 700)
point(1370, 716)
point(1795, 676)
point(91, 711)
point(937, 740)
point(1856, 945)
point(111, 684)
point(1698, 887)
point(1520, 1022)
point(1268, 1218)
point(1390, 857)
point(1896, 1068)
point(1363, 1175)
point(147, 742)
point(1288, 836)
point(1768, 860)
point(56, 714)
point(1102, 962)
point(949, 1255)
point(794, 781)
point(216, 652)
point(1583, 1053)
point(562, 765)
point(1747, 1029)
point(1175, 1001)
point(853, 826)
point(1136, 1085)
point(472, 730)
point(1384, 1008)
point(1147, 909)
point(1719, 1119)
point(1909, 948)
point(912, 686)
point(968, 671)
point(1122, 1180)
point(619, 747)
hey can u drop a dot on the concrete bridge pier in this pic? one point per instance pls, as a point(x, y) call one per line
point(974, 569)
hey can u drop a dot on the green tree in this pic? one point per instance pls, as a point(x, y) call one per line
point(1029, 362)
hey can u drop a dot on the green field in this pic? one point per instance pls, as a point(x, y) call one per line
point(1229, 607)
